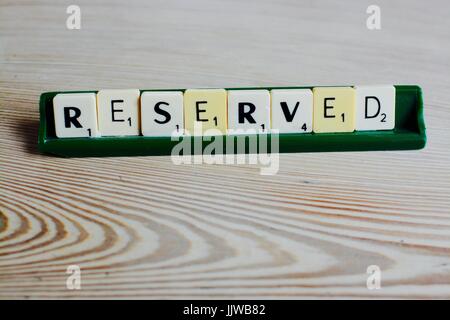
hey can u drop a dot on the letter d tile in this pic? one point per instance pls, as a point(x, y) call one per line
point(375, 107)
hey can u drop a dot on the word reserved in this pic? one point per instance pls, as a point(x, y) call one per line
point(219, 111)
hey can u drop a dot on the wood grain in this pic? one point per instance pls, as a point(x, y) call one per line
point(142, 227)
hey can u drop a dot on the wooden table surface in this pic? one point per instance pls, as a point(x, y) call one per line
point(143, 227)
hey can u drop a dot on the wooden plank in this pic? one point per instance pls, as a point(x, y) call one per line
point(145, 227)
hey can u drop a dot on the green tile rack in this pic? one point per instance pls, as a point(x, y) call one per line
point(408, 134)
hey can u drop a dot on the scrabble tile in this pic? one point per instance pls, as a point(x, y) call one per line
point(334, 109)
point(75, 115)
point(249, 109)
point(292, 110)
point(118, 112)
point(205, 109)
point(162, 113)
point(375, 107)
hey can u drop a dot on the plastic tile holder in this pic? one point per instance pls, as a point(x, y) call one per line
point(408, 134)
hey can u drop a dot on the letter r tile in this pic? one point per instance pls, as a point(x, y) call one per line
point(75, 115)
point(248, 111)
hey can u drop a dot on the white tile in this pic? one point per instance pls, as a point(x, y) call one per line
point(162, 113)
point(118, 112)
point(292, 110)
point(249, 109)
point(75, 115)
point(375, 107)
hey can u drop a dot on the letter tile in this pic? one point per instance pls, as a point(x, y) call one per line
point(375, 107)
point(206, 111)
point(75, 115)
point(292, 110)
point(334, 109)
point(162, 113)
point(249, 109)
point(118, 112)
